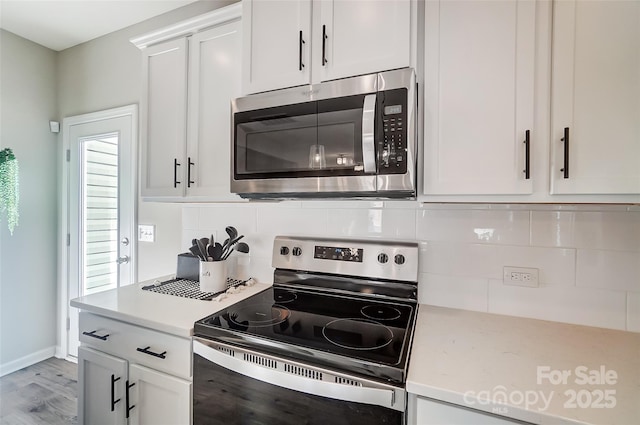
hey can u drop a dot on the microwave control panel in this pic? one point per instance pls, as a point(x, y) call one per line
point(392, 146)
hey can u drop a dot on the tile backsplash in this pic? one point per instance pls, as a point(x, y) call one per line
point(588, 256)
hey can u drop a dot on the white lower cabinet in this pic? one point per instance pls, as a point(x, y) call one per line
point(132, 375)
point(425, 411)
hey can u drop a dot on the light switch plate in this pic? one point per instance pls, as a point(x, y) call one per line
point(146, 232)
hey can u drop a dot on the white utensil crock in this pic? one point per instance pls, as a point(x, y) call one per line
point(213, 276)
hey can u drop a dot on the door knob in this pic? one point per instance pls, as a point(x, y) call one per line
point(122, 259)
point(124, 241)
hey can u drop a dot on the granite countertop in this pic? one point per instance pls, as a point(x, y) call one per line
point(166, 313)
point(531, 370)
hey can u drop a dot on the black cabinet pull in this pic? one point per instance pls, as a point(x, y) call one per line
point(527, 158)
point(93, 335)
point(189, 181)
point(324, 43)
point(300, 43)
point(151, 353)
point(565, 139)
point(113, 392)
point(127, 398)
point(176, 164)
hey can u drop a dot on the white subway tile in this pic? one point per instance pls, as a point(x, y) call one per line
point(190, 217)
point(616, 270)
point(584, 306)
point(633, 311)
point(618, 231)
point(218, 217)
point(466, 293)
point(372, 222)
point(341, 204)
point(276, 220)
point(474, 226)
point(556, 265)
point(552, 228)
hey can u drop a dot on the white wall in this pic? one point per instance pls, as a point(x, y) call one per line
point(28, 258)
point(588, 256)
point(106, 73)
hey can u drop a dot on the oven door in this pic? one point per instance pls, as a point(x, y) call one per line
point(313, 139)
point(237, 386)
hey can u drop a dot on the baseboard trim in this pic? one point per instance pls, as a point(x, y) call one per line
point(28, 360)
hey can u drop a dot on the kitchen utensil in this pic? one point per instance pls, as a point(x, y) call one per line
point(196, 251)
point(203, 249)
point(242, 247)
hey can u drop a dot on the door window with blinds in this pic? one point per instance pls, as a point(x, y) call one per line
point(99, 213)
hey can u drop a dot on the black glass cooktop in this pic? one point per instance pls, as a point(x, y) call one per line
point(359, 334)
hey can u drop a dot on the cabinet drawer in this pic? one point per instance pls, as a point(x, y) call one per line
point(157, 350)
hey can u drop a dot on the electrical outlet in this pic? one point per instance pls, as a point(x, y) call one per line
point(146, 232)
point(520, 276)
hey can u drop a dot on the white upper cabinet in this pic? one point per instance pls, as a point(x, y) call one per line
point(214, 70)
point(189, 82)
point(163, 117)
point(479, 97)
point(298, 42)
point(276, 45)
point(596, 97)
point(360, 37)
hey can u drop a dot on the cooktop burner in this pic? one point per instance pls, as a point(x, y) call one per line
point(257, 315)
point(357, 334)
point(380, 312)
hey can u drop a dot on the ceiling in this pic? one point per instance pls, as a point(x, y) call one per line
point(60, 24)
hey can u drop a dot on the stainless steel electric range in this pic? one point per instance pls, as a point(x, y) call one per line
point(328, 343)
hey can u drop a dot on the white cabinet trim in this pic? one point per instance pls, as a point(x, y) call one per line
point(190, 26)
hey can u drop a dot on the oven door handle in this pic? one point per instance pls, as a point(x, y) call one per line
point(273, 372)
point(368, 133)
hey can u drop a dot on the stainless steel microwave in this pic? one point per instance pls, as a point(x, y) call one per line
point(354, 137)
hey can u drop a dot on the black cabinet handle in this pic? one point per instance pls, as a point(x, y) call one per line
point(565, 139)
point(113, 392)
point(151, 353)
point(527, 158)
point(127, 398)
point(324, 43)
point(176, 164)
point(93, 335)
point(300, 43)
point(189, 181)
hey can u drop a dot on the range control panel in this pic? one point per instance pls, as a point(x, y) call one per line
point(394, 260)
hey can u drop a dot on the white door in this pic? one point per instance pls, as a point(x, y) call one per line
point(102, 388)
point(479, 97)
point(164, 119)
point(158, 398)
point(596, 97)
point(214, 80)
point(100, 200)
point(355, 38)
point(276, 45)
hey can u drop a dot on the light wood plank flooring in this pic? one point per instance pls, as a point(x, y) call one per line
point(44, 393)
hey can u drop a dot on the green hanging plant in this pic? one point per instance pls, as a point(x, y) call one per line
point(9, 195)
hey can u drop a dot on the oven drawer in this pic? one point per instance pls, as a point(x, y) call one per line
point(157, 350)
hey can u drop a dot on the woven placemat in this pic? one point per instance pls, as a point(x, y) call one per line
point(188, 288)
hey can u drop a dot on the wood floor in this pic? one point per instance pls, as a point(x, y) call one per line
point(44, 393)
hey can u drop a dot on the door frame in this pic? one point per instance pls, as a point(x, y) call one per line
point(64, 227)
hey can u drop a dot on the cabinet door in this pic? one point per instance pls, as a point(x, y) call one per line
point(478, 96)
point(596, 96)
point(158, 398)
point(163, 118)
point(101, 388)
point(430, 412)
point(276, 45)
point(214, 79)
point(360, 37)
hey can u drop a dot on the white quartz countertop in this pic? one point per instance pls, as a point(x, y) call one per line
point(531, 370)
point(166, 313)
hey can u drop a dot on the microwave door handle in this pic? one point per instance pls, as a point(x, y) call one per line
point(368, 131)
